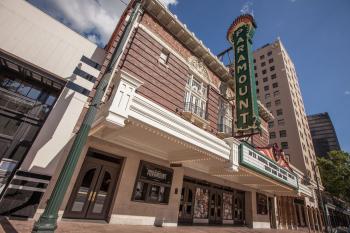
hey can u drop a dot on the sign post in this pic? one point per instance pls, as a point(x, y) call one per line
point(240, 35)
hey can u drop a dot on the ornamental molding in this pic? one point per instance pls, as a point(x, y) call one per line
point(198, 67)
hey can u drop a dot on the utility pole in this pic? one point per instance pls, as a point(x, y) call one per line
point(48, 220)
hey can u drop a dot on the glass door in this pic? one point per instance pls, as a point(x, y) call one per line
point(215, 207)
point(93, 191)
point(186, 204)
point(239, 208)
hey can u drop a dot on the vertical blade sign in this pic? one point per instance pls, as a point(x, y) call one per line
point(240, 35)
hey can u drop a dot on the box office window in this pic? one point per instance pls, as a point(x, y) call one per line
point(261, 203)
point(153, 183)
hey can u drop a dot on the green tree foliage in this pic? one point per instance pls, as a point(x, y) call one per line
point(335, 173)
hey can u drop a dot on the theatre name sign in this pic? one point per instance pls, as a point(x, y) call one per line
point(240, 35)
point(254, 160)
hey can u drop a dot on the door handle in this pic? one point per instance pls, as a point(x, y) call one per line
point(93, 196)
point(90, 196)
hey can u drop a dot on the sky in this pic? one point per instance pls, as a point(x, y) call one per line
point(316, 34)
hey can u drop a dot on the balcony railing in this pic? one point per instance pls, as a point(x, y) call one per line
point(195, 109)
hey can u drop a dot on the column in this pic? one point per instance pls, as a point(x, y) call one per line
point(321, 219)
point(296, 223)
point(307, 217)
point(312, 221)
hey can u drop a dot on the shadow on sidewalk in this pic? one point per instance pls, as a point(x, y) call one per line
point(7, 226)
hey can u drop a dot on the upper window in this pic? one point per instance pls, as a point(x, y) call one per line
point(279, 112)
point(276, 93)
point(274, 85)
point(263, 63)
point(281, 122)
point(277, 102)
point(267, 96)
point(266, 88)
point(284, 145)
point(270, 124)
point(262, 56)
point(269, 53)
point(195, 96)
point(270, 60)
point(283, 133)
point(272, 135)
point(265, 79)
point(164, 56)
point(273, 76)
point(263, 71)
point(272, 68)
point(225, 117)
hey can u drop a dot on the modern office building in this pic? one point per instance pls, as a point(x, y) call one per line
point(323, 133)
point(46, 74)
point(278, 89)
point(161, 150)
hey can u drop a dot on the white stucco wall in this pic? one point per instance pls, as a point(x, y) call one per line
point(37, 38)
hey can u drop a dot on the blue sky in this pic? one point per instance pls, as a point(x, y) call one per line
point(316, 34)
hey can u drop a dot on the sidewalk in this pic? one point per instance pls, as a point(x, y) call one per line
point(16, 226)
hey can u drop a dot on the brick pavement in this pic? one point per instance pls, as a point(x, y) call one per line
point(17, 226)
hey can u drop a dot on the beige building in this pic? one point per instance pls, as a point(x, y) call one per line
point(278, 89)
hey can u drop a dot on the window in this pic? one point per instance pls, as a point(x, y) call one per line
point(254, 60)
point(268, 104)
point(270, 60)
point(273, 76)
point(256, 74)
point(261, 204)
point(195, 97)
point(254, 67)
point(269, 53)
point(279, 112)
point(272, 68)
point(265, 79)
point(266, 88)
point(270, 124)
point(283, 133)
point(277, 102)
point(164, 56)
point(256, 82)
point(276, 93)
point(272, 135)
point(284, 145)
point(262, 56)
point(274, 85)
point(257, 90)
point(267, 96)
point(225, 117)
point(153, 183)
point(280, 122)
point(264, 72)
point(263, 64)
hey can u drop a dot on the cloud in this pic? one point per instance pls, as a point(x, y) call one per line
point(247, 8)
point(347, 93)
point(94, 19)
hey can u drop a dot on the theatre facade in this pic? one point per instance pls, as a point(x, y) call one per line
point(163, 149)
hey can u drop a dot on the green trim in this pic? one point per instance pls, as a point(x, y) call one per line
point(276, 178)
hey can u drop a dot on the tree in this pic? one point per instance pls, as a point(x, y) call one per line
point(335, 173)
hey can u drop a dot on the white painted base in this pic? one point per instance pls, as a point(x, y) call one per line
point(226, 221)
point(265, 225)
point(201, 220)
point(139, 220)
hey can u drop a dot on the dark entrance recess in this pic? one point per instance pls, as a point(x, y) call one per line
point(94, 188)
point(202, 201)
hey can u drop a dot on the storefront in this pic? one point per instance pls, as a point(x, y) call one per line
point(206, 203)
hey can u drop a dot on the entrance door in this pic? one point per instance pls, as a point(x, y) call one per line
point(238, 210)
point(272, 213)
point(186, 204)
point(215, 207)
point(93, 190)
